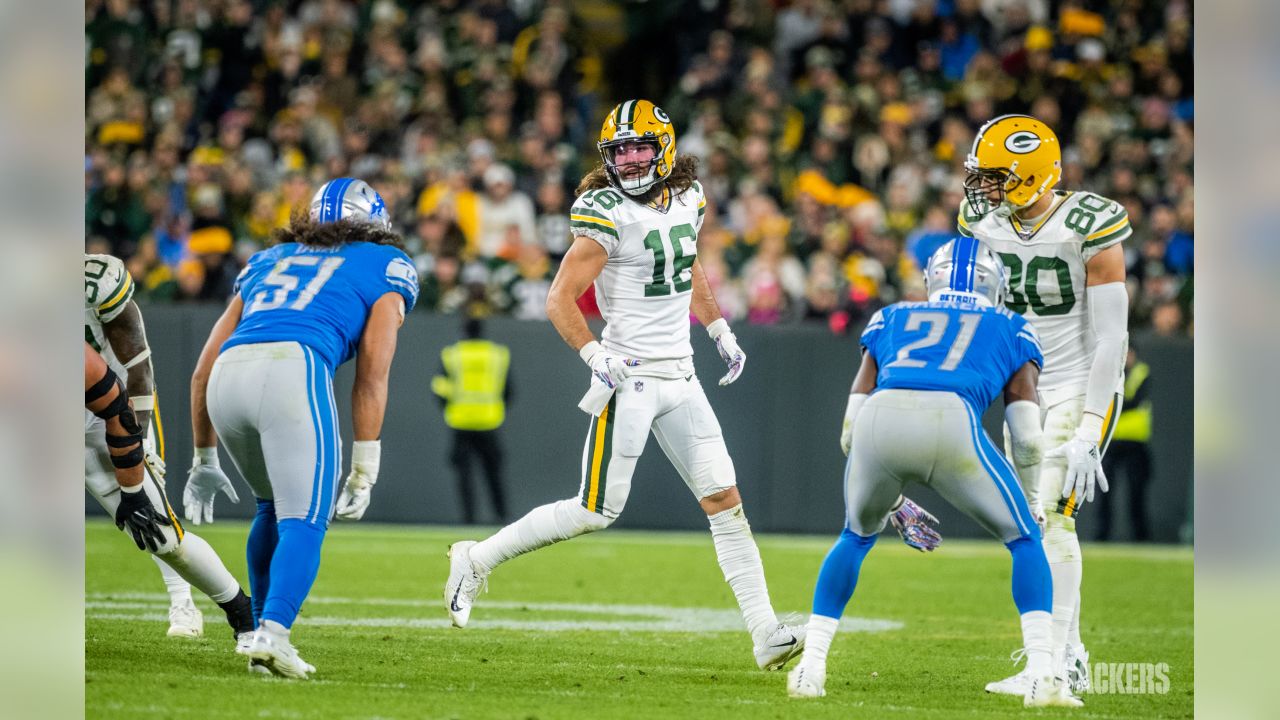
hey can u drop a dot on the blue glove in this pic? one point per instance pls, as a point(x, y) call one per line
point(912, 523)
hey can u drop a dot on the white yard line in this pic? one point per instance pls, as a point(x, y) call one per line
point(586, 616)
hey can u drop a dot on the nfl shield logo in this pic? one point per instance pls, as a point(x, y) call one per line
point(639, 386)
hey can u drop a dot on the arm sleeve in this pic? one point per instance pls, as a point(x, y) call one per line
point(587, 217)
point(1109, 316)
point(1023, 419)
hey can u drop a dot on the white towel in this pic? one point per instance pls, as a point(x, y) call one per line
point(596, 399)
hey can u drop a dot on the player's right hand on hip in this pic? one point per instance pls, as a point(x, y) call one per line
point(608, 368)
point(136, 516)
point(204, 482)
point(1084, 468)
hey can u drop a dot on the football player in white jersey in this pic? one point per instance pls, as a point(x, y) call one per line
point(113, 328)
point(1067, 277)
point(635, 226)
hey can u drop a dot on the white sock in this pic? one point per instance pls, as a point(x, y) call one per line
point(1037, 638)
point(542, 526)
point(1062, 548)
point(196, 562)
point(818, 641)
point(740, 561)
point(1073, 632)
point(274, 628)
point(179, 589)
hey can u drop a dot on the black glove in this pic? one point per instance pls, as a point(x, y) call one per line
point(141, 519)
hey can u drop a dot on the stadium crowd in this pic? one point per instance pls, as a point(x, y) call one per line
point(831, 135)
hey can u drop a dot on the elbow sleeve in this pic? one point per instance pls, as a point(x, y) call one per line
point(1023, 418)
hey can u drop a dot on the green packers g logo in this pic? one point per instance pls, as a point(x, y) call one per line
point(1022, 142)
point(661, 116)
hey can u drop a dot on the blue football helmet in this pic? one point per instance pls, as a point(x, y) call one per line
point(966, 270)
point(349, 199)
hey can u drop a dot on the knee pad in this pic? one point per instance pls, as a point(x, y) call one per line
point(118, 407)
point(573, 519)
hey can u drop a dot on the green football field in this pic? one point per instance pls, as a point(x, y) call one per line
point(619, 625)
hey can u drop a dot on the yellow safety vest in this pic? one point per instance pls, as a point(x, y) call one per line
point(1134, 423)
point(473, 388)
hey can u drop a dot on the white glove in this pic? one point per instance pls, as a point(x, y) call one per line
point(1037, 514)
point(203, 483)
point(156, 466)
point(354, 499)
point(727, 344)
point(610, 369)
point(850, 413)
point(1084, 468)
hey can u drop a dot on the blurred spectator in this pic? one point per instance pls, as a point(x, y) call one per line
point(208, 124)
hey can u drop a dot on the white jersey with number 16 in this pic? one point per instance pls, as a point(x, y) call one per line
point(645, 287)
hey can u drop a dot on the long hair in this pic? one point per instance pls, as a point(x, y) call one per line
point(304, 230)
point(683, 172)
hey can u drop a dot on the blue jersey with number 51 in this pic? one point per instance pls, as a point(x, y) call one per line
point(966, 349)
point(319, 297)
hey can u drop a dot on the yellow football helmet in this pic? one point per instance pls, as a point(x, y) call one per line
point(638, 121)
point(1017, 155)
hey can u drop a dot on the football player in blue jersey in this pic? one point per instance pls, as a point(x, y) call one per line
point(335, 284)
point(929, 370)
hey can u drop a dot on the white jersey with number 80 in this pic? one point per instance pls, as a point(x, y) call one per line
point(1047, 274)
point(645, 287)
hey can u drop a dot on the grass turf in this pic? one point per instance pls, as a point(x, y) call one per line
point(569, 632)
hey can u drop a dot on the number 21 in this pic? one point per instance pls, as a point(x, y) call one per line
point(937, 322)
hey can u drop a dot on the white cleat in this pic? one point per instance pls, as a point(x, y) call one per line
point(1050, 691)
point(1078, 669)
point(784, 643)
point(807, 681)
point(243, 641)
point(186, 620)
point(276, 654)
point(1019, 684)
point(463, 585)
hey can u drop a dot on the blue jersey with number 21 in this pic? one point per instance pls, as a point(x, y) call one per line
point(966, 349)
point(319, 297)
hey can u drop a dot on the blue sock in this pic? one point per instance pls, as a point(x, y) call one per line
point(293, 569)
point(260, 547)
point(1032, 583)
point(839, 573)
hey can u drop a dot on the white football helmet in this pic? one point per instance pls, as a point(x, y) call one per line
point(966, 270)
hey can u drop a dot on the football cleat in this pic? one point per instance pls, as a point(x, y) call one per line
point(276, 653)
point(243, 641)
point(1018, 684)
point(186, 620)
point(807, 681)
point(1050, 691)
point(463, 585)
point(1078, 669)
point(784, 643)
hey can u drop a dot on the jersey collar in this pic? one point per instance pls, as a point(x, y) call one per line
point(1027, 233)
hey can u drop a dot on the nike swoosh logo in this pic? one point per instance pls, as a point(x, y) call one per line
point(785, 644)
point(453, 604)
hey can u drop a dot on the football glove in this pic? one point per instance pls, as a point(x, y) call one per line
point(1084, 468)
point(850, 414)
point(156, 466)
point(366, 455)
point(912, 523)
point(727, 345)
point(136, 516)
point(204, 481)
point(609, 369)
